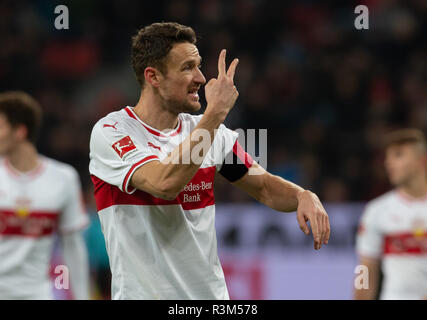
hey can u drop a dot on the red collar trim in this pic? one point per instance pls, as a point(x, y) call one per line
point(152, 130)
point(407, 198)
point(34, 173)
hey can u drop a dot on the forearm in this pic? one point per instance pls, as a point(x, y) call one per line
point(76, 259)
point(372, 276)
point(168, 177)
point(184, 161)
point(285, 196)
point(366, 294)
point(280, 194)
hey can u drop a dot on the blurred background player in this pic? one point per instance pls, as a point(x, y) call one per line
point(38, 198)
point(392, 235)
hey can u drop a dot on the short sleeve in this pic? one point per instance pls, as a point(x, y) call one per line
point(227, 139)
point(115, 156)
point(369, 239)
point(73, 216)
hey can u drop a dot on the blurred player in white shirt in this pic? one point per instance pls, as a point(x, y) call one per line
point(39, 197)
point(392, 235)
point(154, 186)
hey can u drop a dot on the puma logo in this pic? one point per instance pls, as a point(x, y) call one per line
point(110, 126)
point(154, 146)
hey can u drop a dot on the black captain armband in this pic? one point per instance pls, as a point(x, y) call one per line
point(240, 165)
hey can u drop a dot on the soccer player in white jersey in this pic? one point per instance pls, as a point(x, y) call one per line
point(39, 197)
point(392, 234)
point(154, 187)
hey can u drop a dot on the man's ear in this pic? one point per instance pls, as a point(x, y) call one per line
point(152, 76)
point(21, 132)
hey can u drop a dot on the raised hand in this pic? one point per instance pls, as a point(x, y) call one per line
point(221, 93)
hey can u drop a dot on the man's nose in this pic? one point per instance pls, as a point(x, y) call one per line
point(199, 78)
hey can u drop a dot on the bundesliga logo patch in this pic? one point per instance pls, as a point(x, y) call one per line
point(123, 146)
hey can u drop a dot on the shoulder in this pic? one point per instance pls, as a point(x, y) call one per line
point(58, 168)
point(111, 127)
point(113, 120)
point(378, 207)
point(381, 201)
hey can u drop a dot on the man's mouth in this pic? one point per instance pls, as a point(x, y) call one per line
point(193, 93)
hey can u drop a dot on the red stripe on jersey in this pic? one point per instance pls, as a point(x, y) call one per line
point(242, 155)
point(153, 132)
point(125, 181)
point(406, 243)
point(156, 133)
point(34, 173)
point(177, 130)
point(408, 199)
point(130, 113)
point(35, 224)
point(197, 194)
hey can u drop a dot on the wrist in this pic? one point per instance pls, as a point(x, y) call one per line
point(212, 112)
point(300, 193)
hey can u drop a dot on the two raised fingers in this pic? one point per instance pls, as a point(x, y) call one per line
point(221, 66)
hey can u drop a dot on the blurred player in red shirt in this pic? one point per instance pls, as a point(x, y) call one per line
point(39, 197)
point(392, 234)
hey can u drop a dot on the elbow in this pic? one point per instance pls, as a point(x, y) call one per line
point(167, 196)
point(158, 186)
point(168, 190)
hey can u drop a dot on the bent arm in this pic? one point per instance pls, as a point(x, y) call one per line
point(271, 190)
point(165, 179)
point(285, 196)
point(76, 259)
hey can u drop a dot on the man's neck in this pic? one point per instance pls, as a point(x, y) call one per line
point(416, 188)
point(24, 157)
point(150, 110)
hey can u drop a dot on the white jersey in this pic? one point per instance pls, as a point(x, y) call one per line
point(393, 228)
point(158, 249)
point(33, 206)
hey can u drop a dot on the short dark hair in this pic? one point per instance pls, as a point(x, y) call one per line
point(404, 136)
point(153, 43)
point(20, 108)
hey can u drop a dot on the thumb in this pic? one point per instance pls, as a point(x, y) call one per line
point(210, 82)
point(302, 223)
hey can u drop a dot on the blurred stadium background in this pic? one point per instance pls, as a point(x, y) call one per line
point(325, 91)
